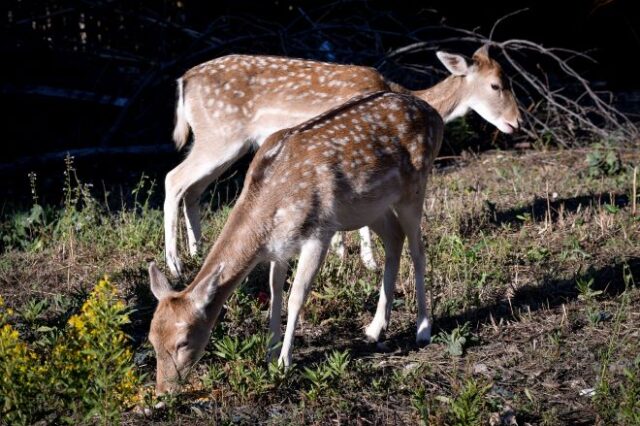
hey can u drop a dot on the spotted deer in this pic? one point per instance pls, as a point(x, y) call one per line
point(364, 163)
point(235, 101)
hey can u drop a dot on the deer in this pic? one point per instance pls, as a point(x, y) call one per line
point(235, 102)
point(363, 163)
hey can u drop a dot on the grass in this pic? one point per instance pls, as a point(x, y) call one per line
point(533, 268)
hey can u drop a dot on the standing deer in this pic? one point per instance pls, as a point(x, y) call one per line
point(364, 163)
point(234, 101)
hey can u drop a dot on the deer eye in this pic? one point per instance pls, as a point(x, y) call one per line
point(182, 344)
point(495, 86)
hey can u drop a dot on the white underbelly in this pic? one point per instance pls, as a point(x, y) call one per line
point(269, 120)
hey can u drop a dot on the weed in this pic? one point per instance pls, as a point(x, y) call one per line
point(456, 341)
point(469, 406)
point(585, 289)
point(244, 369)
point(233, 349)
point(550, 417)
point(525, 217)
point(572, 250)
point(171, 402)
point(537, 254)
point(596, 316)
point(422, 405)
point(468, 265)
point(337, 363)
point(213, 375)
point(603, 162)
point(323, 376)
point(32, 310)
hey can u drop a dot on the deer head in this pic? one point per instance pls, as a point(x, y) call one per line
point(180, 327)
point(484, 89)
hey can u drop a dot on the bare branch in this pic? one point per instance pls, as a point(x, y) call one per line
point(505, 17)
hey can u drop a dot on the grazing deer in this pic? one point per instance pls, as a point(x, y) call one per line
point(364, 163)
point(234, 101)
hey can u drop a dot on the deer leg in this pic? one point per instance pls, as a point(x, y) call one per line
point(174, 189)
point(191, 209)
point(389, 230)
point(409, 217)
point(337, 244)
point(191, 177)
point(277, 276)
point(366, 252)
point(312, 255)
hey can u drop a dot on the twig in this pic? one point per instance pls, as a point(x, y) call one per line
point(505, 17)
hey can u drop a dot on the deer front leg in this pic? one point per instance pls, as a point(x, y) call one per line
point(277, 276)
point(312, 255)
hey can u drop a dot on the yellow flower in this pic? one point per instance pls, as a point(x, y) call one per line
point(77, 322)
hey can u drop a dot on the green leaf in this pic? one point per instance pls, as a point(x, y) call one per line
point(611, 208)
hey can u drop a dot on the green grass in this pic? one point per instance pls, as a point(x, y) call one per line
point(533, 265)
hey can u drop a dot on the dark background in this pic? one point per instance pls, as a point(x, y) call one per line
point(97, 77)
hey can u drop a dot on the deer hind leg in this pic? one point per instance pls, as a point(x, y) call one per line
point(337, 245)
point(366, 251)
point(190, 178)
point(392, 235)
point(191, 210)
point(312, 255)
point(409, 216)
point(277, 276)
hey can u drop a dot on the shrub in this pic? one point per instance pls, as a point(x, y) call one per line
point(20, 374)
point(88, 372)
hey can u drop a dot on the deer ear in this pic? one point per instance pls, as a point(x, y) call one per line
point(456, 64)
point(203, 292)
point(160, 287)
point(482, 54)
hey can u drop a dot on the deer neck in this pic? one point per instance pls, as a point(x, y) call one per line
point(239, 247)
point(447, 97)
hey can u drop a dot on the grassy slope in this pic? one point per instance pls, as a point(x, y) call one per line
point(530, 249)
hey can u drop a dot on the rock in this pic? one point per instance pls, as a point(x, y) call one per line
point(481, 368)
